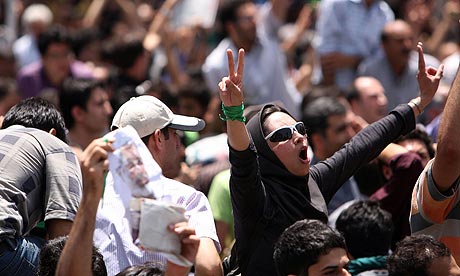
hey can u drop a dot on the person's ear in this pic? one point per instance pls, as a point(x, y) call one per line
point(52, 131)
point(77, 113)
point(317, 141)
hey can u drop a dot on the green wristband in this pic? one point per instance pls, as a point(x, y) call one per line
point(233, 113)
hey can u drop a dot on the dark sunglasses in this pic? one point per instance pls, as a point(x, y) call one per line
point(285, 132)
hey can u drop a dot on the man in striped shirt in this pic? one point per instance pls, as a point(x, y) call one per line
point(435, 199)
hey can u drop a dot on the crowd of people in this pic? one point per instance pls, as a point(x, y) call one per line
point(297, 137)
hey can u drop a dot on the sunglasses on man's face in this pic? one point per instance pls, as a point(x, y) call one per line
point(285, 132)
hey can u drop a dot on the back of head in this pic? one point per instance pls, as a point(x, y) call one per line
point(75, 92)
point(302, 244)
point(367, 229)
point(51, 251)
point(414, 254)
point(36, 113)
point(54, 34)
point(146, 269)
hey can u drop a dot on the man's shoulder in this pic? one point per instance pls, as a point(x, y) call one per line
point(30, 70)
point(45, 140)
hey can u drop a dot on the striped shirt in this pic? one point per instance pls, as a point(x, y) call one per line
point(40, 178)
point(436, 214)
point(113, 233)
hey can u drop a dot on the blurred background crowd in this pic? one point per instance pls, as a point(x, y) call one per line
point(337, 65)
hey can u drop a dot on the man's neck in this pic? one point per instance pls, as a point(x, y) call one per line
point(81, 137)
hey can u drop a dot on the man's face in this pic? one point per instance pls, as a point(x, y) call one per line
point(98, 110)
point(417, 147)
point(333, 263)
point(372, 102)
point(56, 61)
point(172, 154)
point(400, 42)
point(444, 266)
point(191, 107)
point(338, 133)
point(245, 24)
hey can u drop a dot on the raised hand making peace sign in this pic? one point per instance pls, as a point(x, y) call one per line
point(231, 87)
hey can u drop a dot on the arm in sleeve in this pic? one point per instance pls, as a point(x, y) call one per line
point(362, 148)
point(246, 189)
point(63, 185)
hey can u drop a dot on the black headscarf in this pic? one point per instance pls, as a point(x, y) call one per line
point(297, 197)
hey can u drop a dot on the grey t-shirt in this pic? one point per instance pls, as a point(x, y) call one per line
point(40, 178)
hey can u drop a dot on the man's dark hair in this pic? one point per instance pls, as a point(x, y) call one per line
point(36, 113)
point(414, 255)
point(51, 251)
point(367, 229)
point(197, 91)
point(54, 34)
point(302, 244)
point(315, 115)
point(75, 92)
point(420, 135)
point(147, 269)
point(228, 12)
point(123, 51)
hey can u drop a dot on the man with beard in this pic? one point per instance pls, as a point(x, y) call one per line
point(396, 67)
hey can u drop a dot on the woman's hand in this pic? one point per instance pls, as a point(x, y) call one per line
point(231, 87)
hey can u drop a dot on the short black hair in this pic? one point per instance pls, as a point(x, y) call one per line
point(36, 113)
point(51, 251)
point(123, 51)
point(146, 269)
point(414, 254)
point(228, 12)
point(419, 134)
point(367, 229)
point(302, 244)
point(197, 91)
point(315, 115)
point(54, 34)
point(75, 92)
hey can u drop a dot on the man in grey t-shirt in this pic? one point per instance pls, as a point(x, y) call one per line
point(40, 179)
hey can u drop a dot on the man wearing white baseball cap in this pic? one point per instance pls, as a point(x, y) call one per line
point(156, 124)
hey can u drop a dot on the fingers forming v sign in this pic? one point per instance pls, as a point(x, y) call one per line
point(230, 88)
point(428, 77)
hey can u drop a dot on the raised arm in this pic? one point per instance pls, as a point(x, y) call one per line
point(446, 166)
point(76, 257)
point(368, 143)
point(231, 95)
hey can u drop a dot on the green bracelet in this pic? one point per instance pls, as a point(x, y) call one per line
point(233, 113)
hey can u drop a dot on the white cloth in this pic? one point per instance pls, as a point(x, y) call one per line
point(113, 232)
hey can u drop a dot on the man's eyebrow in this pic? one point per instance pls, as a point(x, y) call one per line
point(331, 267)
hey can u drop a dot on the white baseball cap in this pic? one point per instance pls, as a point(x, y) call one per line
point(147, 114)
